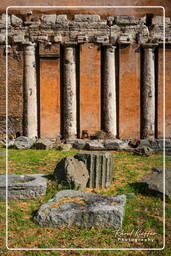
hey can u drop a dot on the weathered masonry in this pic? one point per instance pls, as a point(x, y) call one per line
point(74, 76)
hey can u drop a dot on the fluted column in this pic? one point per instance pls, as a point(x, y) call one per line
point(148, 93)
point(69, 76)
point(30, 92)
point(109, 91)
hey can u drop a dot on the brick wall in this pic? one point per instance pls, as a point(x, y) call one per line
point(15, 90)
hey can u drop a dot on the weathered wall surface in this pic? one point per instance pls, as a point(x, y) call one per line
point(90, 33)
point(167, 93)
point(129, 92)
point(90, 91)
point(15, 90)
point(49, 97)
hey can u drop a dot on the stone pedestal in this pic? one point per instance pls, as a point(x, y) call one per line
point(99, 166)
point(69, 76)
point(148, 93)
point(109, 91)
point(30, 93)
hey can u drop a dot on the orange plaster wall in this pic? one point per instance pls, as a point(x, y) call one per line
point(129, 92)
point(167, 93)
point(49, 97)
point(90, 91)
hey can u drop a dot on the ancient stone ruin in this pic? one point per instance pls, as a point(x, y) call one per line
point(154, 181)
point(69, 207)
point(27, 186)
point(93, 170)
point(72, 173)
point(71, 76)
point(99, 165)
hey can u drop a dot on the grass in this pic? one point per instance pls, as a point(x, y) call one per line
point(143, 212)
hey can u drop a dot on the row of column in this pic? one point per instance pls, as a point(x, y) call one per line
point(109, 92)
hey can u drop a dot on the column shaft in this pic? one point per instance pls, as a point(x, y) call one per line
point(30, 93)
point(109, 91)
point(148, 94)
point(69, 75)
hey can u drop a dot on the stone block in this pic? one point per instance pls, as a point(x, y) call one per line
point(100, 167)
point(94, 145)
point(124, 39)
point(61, 18)
point(65, 147)
point(86, 18)
point(82, 38)
point(10, 144)
point(144, 142)
point(70, 207)
point(143, 35)
point(3, 20)
point(154, 180)
point(23, 142)
point(72, 172)
point(113, 144)
point(125, 147)
point(2, 38)
point(168, 143)
point(19, 38)
point(16, 21)
point(43, 143)
point(126, 20)
point(102, 39)
point(158, 20)
point(143, 151)
point(49, 18)
point(79, 144)
point(26, 186)
point(57, 38)
point(153, 143)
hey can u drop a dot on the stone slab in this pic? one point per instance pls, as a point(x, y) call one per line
point(23, 142)
point(72, 172)
point(70, 207)
point(94, 145)
point(26, 186)
point(43, 143)
point(154, 180)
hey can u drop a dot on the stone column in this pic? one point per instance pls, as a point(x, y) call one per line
point(69, 77)
point(30, 93)
point(109, 91)
point(148, 93)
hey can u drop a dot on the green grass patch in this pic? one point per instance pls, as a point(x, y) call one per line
point(143, 212)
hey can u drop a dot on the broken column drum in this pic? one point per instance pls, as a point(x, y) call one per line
point(148, 93)
point(30, 92)
point(69, 77)
point(109, 91)
point(99, 166)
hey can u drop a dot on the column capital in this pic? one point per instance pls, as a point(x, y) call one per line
point(70, 44)
point(149, 45)
point(108, 45)
point(29, 44)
